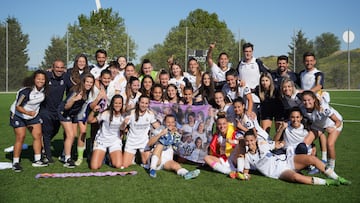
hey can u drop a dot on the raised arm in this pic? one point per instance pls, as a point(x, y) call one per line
point(209, 57)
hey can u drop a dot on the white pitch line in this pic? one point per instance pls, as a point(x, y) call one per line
point(347, 105)
point(351, 121)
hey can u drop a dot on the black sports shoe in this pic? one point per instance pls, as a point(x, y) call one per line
point(16, 167)
point(39, 163)
point(46, 159)
point(69, 163)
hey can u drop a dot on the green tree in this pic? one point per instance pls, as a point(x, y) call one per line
point(195, 32)
point(56, 50)
point(17, 54)
point(326, 44)
point(104, 29)
point(299, 45)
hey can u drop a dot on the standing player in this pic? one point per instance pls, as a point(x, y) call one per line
point(25, 114)
point(324, 119)
point(139, 121)
point(108, 136)
point(218, 70)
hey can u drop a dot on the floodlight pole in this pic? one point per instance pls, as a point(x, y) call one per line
point(186, 47)
point(294, 50)
point(348, 48)
point(7, 57)
point(67, 48)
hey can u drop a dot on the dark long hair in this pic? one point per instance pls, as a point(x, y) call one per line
point(142, 89)
point(29, 82)
point(111, 106)
point(137, 108)
point(75, 75)
point(207, 92)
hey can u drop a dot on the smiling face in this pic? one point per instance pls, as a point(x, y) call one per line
point(282, 65)
point(135, 86)
point(265, 82)
point(287, 89)
point(164, 79)
point(219, 98)
point(308, 101)
point(188, 95)
point(239, 108)
point(223, 61)
point(157, 93)
point(122, 62)
point(231, 81)
point(171, 92)
point(147, 68)
point(248, 53)
point(89, 83)
point(130, 71)
point(81, 63)
point(143, 104)
point(198, 142)
point(295, 118)
point(118, 104)
point(206, 80)
point(100, 59)
point(147, 83)
point(193, 67)
point(39, 81)
point(222, 125)
point(58, 68)
point(176, 70)
point(105, 79)
point(250, 141)
point(309, 62)
point(170, 123)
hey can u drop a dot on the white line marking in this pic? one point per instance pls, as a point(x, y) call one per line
point(347, 105)
point(352, 121)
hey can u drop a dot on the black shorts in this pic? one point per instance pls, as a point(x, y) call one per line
point(16, 121)
point(272, 111)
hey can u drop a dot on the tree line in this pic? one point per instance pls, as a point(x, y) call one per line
point(106, 29)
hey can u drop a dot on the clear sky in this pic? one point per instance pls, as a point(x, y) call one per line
point(269, 25)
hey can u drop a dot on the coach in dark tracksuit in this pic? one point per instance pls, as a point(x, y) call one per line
point(48, 109)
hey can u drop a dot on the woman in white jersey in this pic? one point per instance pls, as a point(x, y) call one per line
point(293, 132)
point(260, 156)
point(139, 121)
point(324, 119)
point(108, 136)
point(243, 123)
point(24, 113)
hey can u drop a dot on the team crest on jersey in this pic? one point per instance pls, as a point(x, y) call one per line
point(327, 111)
point(62, 82)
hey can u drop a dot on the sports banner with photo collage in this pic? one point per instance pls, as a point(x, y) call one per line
point(194, 123)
